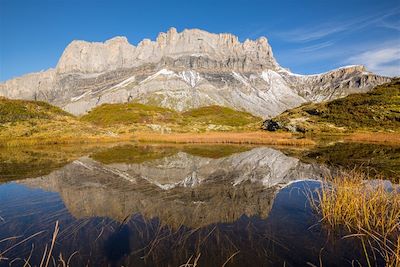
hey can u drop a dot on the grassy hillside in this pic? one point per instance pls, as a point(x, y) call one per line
point(39, 122)
point(218, 115)
point(129, 113)
point(199, 119)
point(376, 110)
point(23, 110)
point(33, 122)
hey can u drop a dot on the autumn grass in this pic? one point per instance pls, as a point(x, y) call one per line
point(225, 138)
point(65, 140)
point(365, 209)
point(48, 259)
point(27, 123)
point(374, 137)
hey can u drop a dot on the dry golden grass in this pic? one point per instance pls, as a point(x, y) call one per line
point(18, 142)
point(225, 138)
point(254, 137)
point(57, 131)
point(374, 137)
point(348, 200)
point(48, 259)
point(367, 210)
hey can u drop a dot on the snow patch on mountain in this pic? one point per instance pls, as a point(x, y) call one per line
point(124, 82)
point(73, 99)
point(360, 67)
point(191, 77)
point(163, 72)
point(241, 78)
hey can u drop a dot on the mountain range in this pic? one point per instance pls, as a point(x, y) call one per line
point(181, 71)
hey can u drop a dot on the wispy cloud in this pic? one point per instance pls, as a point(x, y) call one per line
point(327, 29)
point(315, 47)
point(384, 60)
point(312, 34)
point(382, 57)
point(395, 25)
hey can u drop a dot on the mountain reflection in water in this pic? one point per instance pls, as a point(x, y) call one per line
point(136, 206)
point(178, 189)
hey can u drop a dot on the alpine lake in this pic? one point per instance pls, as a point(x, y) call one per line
point(130, 204)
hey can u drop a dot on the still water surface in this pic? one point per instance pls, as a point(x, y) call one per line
point(129, 205)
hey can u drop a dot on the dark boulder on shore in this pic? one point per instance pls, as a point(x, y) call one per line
point(271, 125)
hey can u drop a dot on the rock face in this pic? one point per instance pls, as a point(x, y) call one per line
point(183, 70)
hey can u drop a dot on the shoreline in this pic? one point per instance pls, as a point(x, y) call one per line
point(253, 137)
point(249, 138)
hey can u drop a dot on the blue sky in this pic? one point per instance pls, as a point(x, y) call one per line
point(306, 36)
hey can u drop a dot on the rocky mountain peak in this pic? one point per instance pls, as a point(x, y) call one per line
point(348, 69)
point(117, 53)
point(117, 40)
